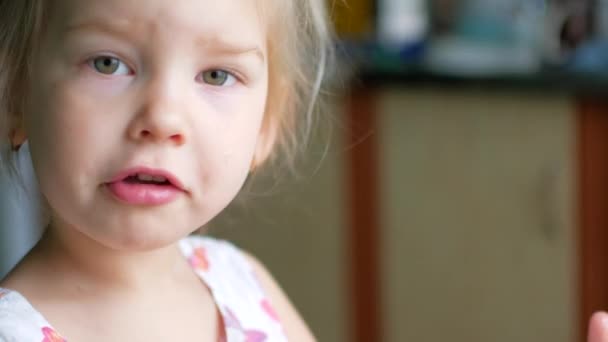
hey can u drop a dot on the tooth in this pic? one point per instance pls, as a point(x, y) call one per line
point(159, 179)
point(145, 178)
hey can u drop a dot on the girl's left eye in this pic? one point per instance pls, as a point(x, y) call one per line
point(109, 65)
point(218, 78)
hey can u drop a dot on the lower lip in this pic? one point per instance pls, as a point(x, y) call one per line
point(143, 194)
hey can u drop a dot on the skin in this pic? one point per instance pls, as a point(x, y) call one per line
point(158, 109)
point(598, 327)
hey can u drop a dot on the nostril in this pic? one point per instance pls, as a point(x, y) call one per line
point(149, 135)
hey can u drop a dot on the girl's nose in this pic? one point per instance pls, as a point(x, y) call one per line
point(160, 119)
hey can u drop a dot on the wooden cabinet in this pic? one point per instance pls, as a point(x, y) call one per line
point(478, 215)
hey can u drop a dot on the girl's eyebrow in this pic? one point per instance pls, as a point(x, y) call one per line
point(222, 46)
point(215, 42)
point(99, 26)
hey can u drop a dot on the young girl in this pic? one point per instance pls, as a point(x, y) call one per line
point(144, 118)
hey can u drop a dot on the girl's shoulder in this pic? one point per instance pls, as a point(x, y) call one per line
point(250, 300)
point(20, 322)
point(221, 264)
point(237, 285)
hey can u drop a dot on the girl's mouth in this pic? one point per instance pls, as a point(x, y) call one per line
point(142, 178)
point(146, 187)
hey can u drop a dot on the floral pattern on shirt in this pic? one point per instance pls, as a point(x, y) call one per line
point(237, 333)
point(51, 335)
point(269, 309)
point(198, 260)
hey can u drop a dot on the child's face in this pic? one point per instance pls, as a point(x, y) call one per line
point(176, 85)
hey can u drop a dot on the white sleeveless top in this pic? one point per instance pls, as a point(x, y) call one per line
point(246, 311)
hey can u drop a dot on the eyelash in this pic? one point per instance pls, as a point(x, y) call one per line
point(232, 77)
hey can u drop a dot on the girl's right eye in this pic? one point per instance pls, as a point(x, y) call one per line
point(109, 65)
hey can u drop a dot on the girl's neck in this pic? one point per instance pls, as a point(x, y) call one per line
point(93, 267)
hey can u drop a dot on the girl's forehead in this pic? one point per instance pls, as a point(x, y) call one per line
point(240, 18)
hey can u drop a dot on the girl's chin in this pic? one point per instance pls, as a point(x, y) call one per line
point(137, 239)
point(126, 229)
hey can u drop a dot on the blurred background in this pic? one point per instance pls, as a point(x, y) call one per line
point(457, 190)
point(462, 194)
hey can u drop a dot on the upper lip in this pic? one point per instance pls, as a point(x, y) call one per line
point(171, 178)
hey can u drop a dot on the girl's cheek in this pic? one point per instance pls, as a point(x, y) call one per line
point(232, 102)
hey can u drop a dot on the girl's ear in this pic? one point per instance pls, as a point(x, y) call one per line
point(17, 135)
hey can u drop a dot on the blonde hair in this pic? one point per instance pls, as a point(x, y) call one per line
point(300, 53)
point(303, 53)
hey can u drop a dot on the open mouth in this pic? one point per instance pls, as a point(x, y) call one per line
point(149, 176)
point(143, 186)
point(142, 178)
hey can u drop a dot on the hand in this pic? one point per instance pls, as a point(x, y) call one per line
point(598, 327)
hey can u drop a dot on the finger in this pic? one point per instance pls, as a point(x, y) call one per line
point(598, 327)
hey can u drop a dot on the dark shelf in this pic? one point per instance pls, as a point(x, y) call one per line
point(543, 81)
point(374, 67)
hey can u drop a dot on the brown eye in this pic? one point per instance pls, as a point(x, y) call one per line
point(217, 77)
point(109, 66)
